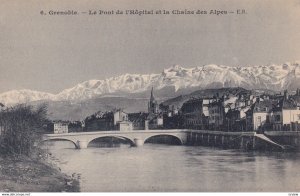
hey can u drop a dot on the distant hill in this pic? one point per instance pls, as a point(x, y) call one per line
point(178, 101)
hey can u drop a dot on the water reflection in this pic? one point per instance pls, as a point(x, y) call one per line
point(155, 167)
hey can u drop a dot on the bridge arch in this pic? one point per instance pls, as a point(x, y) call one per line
point(57, 139)
point(113, 136)
point(178, 139)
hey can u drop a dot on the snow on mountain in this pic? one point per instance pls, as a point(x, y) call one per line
point(285, 76)
point(24, 96)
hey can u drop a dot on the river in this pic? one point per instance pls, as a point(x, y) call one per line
point(158, 167)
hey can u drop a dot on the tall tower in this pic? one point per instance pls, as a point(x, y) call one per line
point(152, 105)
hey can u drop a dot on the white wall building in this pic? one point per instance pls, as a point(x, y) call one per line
point(125, 126)
point(60, 127)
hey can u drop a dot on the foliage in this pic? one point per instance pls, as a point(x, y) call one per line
point(21, 129)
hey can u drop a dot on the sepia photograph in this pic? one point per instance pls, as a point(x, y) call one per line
point(158, 96)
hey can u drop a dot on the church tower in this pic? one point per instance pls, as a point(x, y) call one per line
point(152, 105)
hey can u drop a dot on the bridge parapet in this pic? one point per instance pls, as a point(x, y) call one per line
point(136, 137)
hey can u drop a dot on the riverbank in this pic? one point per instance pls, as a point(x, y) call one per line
point(24, 174)
point(267, 141)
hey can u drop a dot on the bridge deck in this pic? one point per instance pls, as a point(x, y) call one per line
point(248, 133)
point(223, 132)
point(118, 132)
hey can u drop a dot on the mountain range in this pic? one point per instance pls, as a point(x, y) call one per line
point(280, 77)
point(171, 82)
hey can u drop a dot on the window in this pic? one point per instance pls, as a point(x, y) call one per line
point(298, 115)
point(277, 118)
point(259, 120)
point(266, 109)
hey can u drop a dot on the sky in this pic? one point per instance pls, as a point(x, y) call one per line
point(51, 53)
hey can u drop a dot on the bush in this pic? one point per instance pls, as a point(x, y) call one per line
point(21, 129)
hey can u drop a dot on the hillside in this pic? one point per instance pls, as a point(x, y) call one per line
point(178, 101)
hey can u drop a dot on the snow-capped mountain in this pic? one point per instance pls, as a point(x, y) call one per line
point(24, 96)
point(279, 77)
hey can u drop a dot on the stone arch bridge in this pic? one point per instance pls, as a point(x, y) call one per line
point(135, 137)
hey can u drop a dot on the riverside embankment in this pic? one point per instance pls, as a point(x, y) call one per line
point(245, 140)
point(23, 174)
point(249, 140)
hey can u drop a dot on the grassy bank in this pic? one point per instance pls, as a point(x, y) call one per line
point(24, 174)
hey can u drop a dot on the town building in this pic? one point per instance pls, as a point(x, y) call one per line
point(120, 116)
point(169, 110)
point(216, 112)
point(244, 100)
point(106, 121)
point(100, 121)
point(138, 120)
point(60, 127)
point(124, 126)
point(195, 113)
point(258, 117)
point(235, 119)
point(173, 122)
point(286, 114)
point(235, 111)
point(155, 121)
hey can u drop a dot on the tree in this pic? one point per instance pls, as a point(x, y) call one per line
point(21, 127)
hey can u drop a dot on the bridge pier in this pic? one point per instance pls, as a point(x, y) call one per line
point(208, 139)
point(242, 143)
point(81, 144)
point(223, 138)
point(138, 142)
point(253, 143)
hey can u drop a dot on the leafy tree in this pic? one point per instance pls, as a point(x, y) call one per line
point(21, 128)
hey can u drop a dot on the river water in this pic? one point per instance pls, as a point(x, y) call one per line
point(158, 167)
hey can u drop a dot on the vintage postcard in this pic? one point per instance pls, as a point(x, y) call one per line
point(149, 96)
